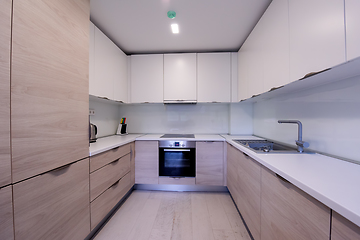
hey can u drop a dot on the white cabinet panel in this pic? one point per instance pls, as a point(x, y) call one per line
point(92, 83)
point(213, 71)
point(317, 37)
point(352, 17)
point(180, 77)
point(147, 78)
point(242, 75)
point(120, 90)
point(234, 77)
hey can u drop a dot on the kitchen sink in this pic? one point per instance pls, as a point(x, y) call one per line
point(265, 146)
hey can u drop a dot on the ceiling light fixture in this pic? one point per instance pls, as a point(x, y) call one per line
point(175, 28)
point(171, 14)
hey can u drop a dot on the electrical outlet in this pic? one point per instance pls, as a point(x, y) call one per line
point(91, 112)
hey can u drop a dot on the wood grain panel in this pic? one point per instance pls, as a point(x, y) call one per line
point(103, 178)
point(210, 163)
point(101, 206)
point(147, 162)
point(5, 38)
point(249, 192)
point(343, 229)
point(54, 205)
point(6, 213)
point(232, 179)
point(289, 213)
point(177, 181)
point(132, 163)
point(49, 85)
point(100, 160)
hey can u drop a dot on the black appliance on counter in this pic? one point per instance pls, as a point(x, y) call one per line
point(177, 158)
point(92, 133)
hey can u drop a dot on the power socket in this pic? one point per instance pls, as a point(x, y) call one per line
point(91, 112)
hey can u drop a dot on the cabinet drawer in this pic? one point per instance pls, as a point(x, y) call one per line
point(54, 205)
point(103, 178)
point(177, 181)
point(104, 158)
point(6, 214)
point(106, 201)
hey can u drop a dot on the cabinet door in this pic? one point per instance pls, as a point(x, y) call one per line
point(6, 213)
point(289, 213)
point(232, 179)
point(132, 164)
point(249, 190)
point(243, 78)
point(147, 162)
point(180, 77)
point(91, 58)
point(214, 77)
point(210, 163)
point(352, 28)
point(54, 205)
point(5, 36)
point(147, 78)
point(49, 85)
point(317, 36)
point(120, 69)
point(343, 229)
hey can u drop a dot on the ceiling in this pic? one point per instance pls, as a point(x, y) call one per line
point(142, 26)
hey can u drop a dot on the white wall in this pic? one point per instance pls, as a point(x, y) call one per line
point(198, 118)
point(106, 116)
point(330, 115)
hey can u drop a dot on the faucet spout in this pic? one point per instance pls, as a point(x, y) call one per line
point(300, 143)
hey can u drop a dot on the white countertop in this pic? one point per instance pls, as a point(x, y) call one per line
point(198, 137)
point(333, 182)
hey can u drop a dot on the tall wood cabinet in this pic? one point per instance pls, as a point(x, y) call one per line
point(49, 85)
point(5, 36)
point(6, 214)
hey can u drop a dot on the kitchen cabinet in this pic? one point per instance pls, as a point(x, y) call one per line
point(180, 77)
point(317, 36)
point(343, 229)
point(210, 163)
point(132, 164)
point(352, 18)
point(49, 85)
point(110, 69)
point(54, 205)
point(147, 78)
point(147, 162)
point(213, 77)
point(6, 213)
point(5, 38)
point(289, 213)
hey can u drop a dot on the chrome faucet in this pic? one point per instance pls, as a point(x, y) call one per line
point(300, 143)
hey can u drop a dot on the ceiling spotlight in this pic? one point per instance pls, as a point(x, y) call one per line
point(171, 14)
point(175, 28)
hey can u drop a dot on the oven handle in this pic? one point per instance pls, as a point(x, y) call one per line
point(176, 150)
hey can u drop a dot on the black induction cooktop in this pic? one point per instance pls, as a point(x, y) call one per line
point(178, 136)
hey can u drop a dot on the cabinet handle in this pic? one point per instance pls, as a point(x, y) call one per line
point(245, 154)
point(115, 183)
point(282, 179)
point(177, 178)
point(116, 148)
point(57, 170)
point(114, 162)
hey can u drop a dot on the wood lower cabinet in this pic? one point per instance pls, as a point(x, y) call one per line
point(54, 205)
point(343, 229)
point(49, 85)
point(5, 36)
point(289, 213)
point(210, 163)
point(6, 213)
point(147, 162)
point(132, 163)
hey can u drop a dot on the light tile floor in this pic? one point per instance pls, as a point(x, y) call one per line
point(156, 215)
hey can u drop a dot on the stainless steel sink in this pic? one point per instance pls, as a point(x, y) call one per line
point(265, 146)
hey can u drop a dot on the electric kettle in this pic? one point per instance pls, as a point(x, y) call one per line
point(92, 133)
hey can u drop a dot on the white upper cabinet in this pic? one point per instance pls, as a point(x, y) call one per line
point(147, 78)
point(180, 77)
point(317, 35)
point(214, 76)
point(352, 17)
point(108, 68)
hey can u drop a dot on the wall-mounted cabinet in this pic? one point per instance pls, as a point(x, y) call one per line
point(180, 77)
point(147, 78)
point(213, 77)
point(352, 18)
point(108, 68)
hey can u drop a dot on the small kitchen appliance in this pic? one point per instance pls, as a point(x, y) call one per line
point(92, 133)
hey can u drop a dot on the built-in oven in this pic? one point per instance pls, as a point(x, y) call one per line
point(177, 158)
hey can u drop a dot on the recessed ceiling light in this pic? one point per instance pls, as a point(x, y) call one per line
point(175, 28)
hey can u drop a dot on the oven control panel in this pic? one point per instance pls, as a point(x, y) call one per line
point(177, 144)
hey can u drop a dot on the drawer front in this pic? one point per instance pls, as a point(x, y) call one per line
point(104, 177)
point(6, 213)
point(54, 205)
point(177, 181)
point(104, 158)
point(106, 201)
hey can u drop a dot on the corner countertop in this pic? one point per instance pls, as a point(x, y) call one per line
point(198, 137)
point(106, 143)
point(333, 182)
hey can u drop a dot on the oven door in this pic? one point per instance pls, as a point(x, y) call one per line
point(177, 162)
